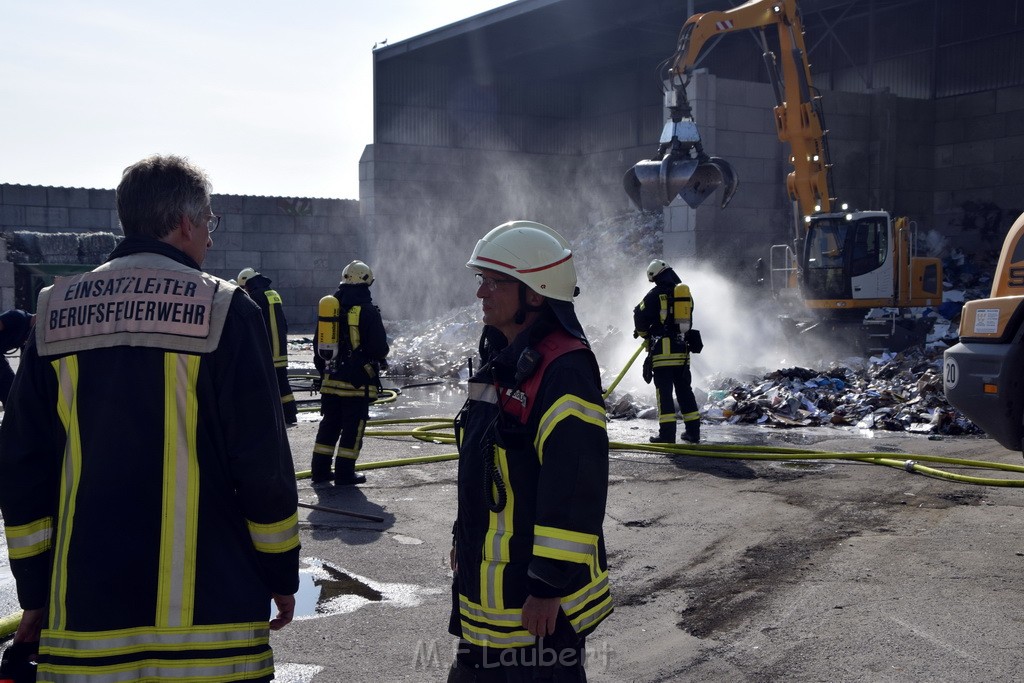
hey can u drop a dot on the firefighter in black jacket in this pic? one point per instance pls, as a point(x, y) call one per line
point(150, 515)
point(664, 318)
point(349, 357)
point(531, 577)
point(257, 286)
point(15, 326)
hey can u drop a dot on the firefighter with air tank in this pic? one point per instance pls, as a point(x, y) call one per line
point(664, 318)
point(349, 352)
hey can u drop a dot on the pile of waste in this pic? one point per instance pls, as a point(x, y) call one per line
point(437, 348)
point(893, 392)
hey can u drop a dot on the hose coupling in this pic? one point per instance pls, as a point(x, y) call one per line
point(909, 465)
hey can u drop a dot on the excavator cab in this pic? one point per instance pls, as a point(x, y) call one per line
point(680, 168)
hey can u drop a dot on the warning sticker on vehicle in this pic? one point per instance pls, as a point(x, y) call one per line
point(986, 321)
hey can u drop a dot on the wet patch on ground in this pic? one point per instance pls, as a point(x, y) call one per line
point(326, 589)
point(716, 467)
point(964, 497)
point(788, 470)
point(722, 599)
point(803, 466)
point(960, 498)
point(649, 591)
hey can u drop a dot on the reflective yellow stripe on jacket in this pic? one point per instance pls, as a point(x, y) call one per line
point(279, 355)
point(276, 537)
point(339, 387)
point(353, 327)
point(67, 383)
point(567, 406)
point(29, 540)
point(489, 623)
point(194, 638)
point(575, 605)
point(496, 553)
point(492, 627)
point(176, 585)
point(580, 548)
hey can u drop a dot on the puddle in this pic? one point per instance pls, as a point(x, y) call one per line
point(295, 673)
point(406, 540)
point(325, 589)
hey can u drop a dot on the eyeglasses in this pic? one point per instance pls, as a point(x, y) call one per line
point(492, 282)
point(212, 222)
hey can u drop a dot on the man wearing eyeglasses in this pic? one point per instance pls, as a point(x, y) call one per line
point(151, 516)
point(531, 576)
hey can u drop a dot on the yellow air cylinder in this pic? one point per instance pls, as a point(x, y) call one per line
point(682, 306)
point(328, 327)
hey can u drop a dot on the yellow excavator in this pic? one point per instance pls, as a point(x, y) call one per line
point(845, 262)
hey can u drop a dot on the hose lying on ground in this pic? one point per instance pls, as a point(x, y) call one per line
point(438, 430)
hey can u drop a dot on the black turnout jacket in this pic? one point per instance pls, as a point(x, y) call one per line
point(147, 507)
point(363, 345)
point(533, 482)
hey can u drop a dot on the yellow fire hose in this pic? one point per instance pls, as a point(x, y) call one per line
point(9, 624)
point(439, 430)
point(618, 379)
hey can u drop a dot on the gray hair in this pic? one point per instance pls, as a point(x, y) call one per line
point(156, 193)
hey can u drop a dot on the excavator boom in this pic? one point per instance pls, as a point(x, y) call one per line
point(844, 262)
point(681, 168)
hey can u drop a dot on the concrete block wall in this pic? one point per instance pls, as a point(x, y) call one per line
point(33, 208)
point(300, 244)
point(979, 159)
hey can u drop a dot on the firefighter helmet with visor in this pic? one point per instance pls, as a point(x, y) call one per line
point(656, 268)
point(533, 254)
point(245, 275)
point(357, 273)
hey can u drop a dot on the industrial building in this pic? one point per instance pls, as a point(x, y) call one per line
point(536, 109)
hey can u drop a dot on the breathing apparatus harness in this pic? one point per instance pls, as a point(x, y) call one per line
point(547, 341)
point(334, 347)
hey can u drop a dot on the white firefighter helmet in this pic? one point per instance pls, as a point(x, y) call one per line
point(532, 253)
point(357, 273)
point(244, 275)
point(656, 268)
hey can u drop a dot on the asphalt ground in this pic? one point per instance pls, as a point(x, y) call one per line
point(722, 569)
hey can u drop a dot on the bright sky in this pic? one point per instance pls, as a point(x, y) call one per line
point(270, 97)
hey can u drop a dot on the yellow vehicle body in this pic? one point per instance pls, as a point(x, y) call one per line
point(983, 375)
